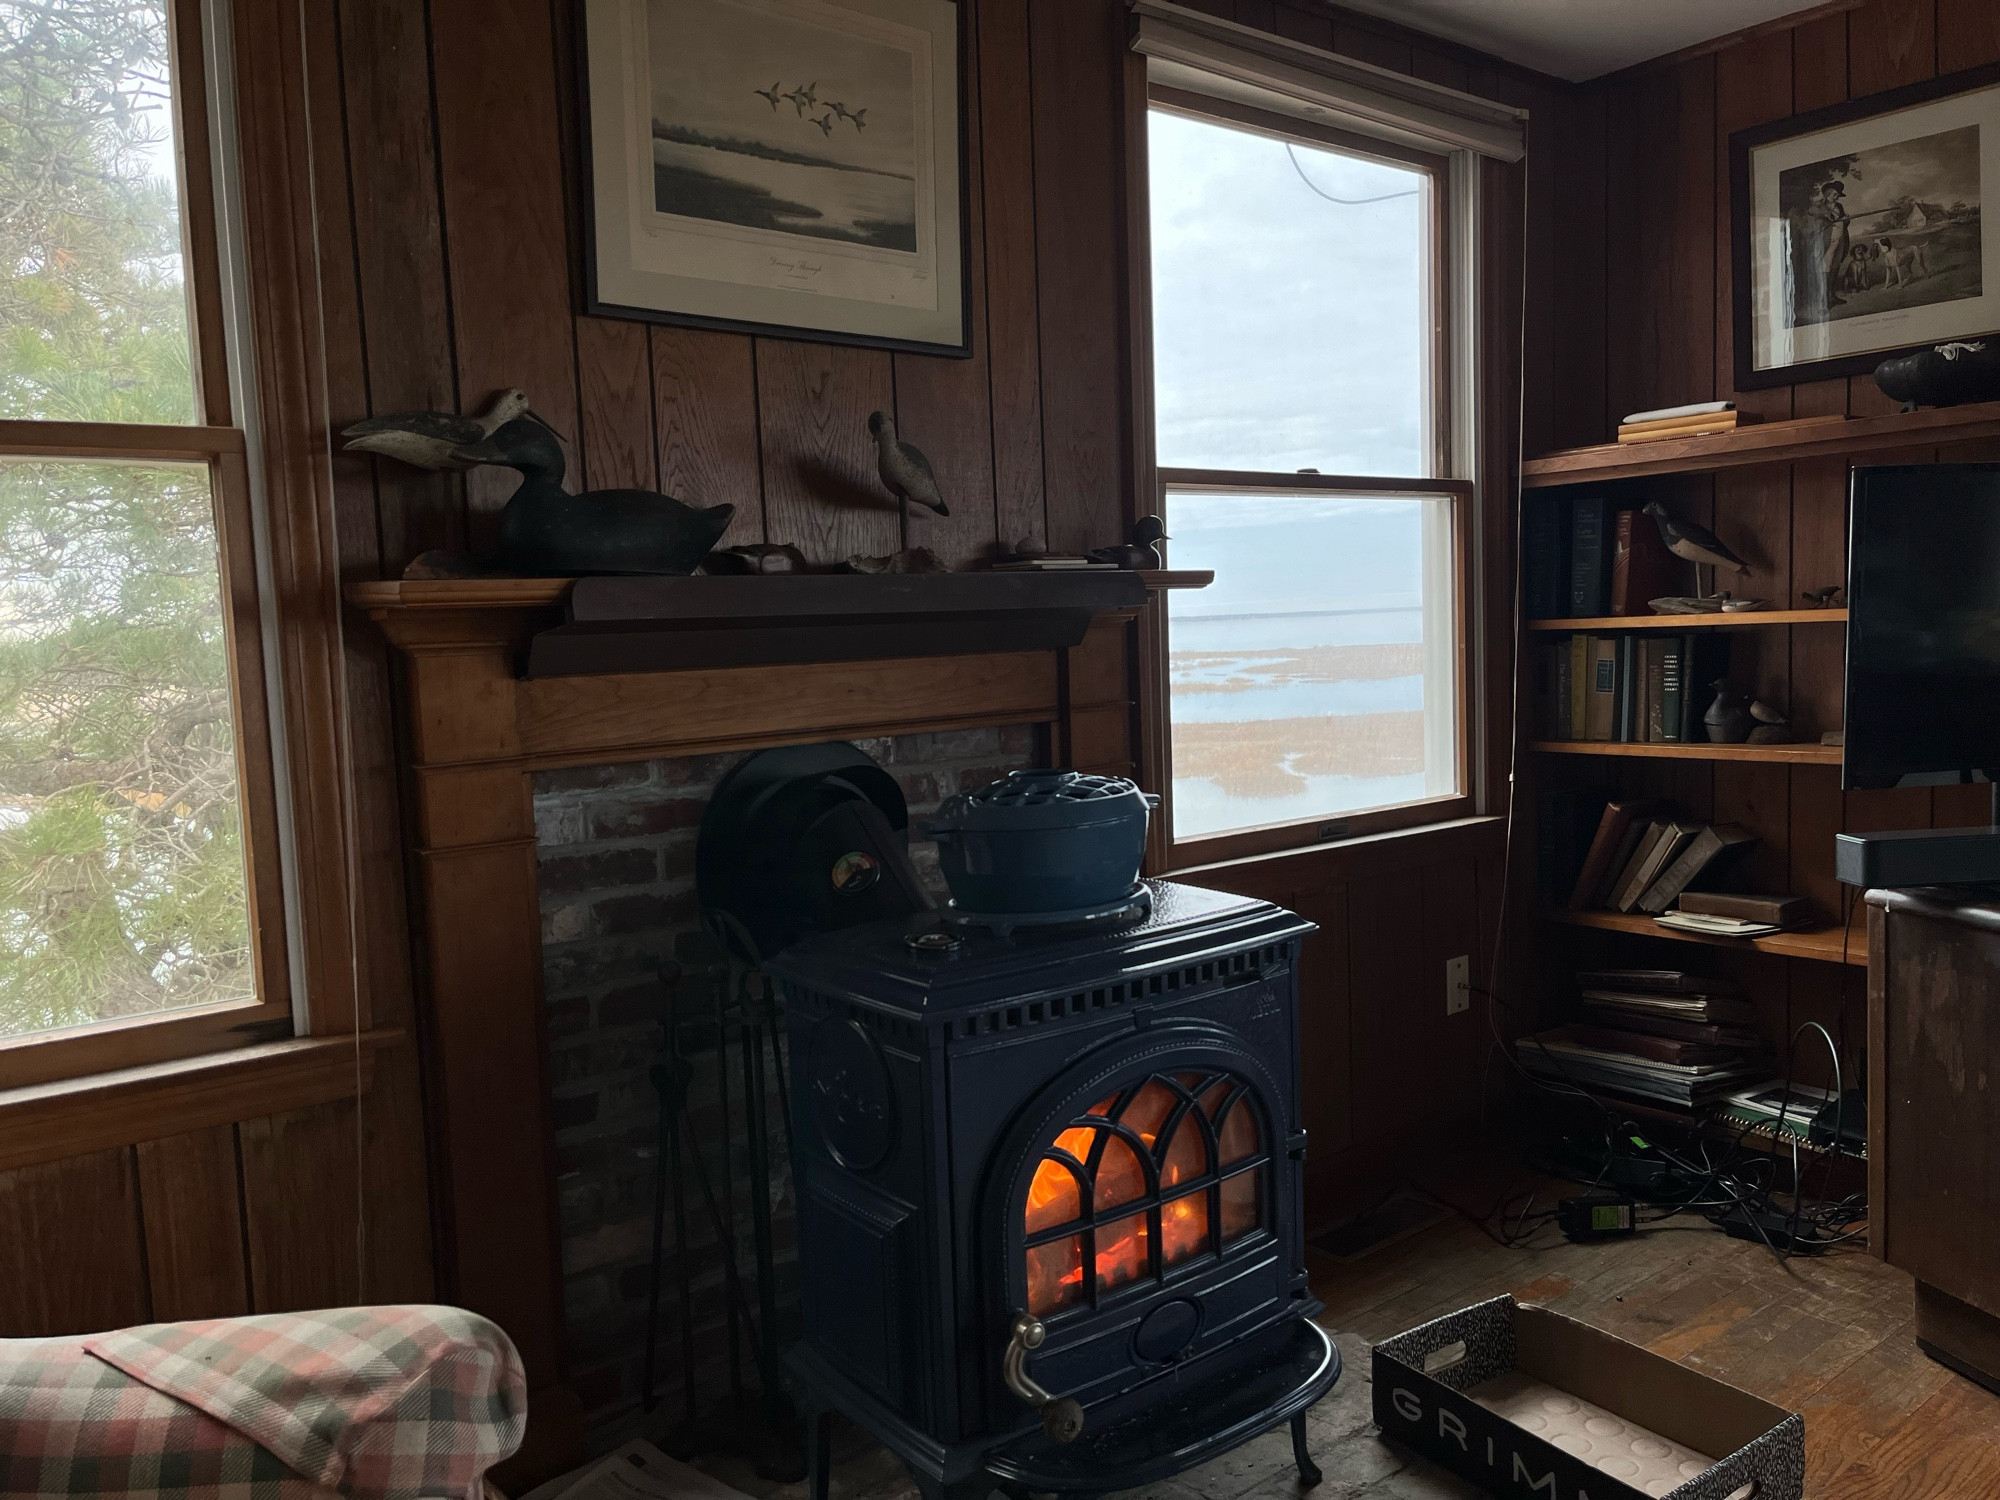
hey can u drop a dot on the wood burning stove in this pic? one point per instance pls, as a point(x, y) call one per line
point(1049, 1194)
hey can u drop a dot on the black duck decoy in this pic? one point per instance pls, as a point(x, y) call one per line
point(1142, 552)
point(546, 532)
point(431, 439)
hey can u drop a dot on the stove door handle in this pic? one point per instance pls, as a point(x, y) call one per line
point(1062, 1418)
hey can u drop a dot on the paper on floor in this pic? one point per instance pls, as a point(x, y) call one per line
point(637, 1471)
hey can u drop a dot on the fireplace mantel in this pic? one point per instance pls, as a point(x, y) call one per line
point(477, 731)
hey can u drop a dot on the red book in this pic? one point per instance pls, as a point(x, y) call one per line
point(1642, 569)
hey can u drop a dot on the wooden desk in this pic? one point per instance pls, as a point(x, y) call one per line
point(1934, 1115)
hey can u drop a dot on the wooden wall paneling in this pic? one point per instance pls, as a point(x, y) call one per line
point(821, 493)
point(301, 1208)
point(1077, 50)
point(1388, 1025)
point(1452, 1045)
point(1579, 389)
point(1297, 26)
point(1439, 67)
point(500, 168)
point(1815, 819)
point(615, 382)
point(397, 1256)
point(1263, 14)
point(1007, 183)
point(821, 487)
point(1819, 558)
point(193, 1224)
point(1968, 34)
point(945, 406)
point(396, 243)
point(1889, 43)
point(705, 422)
point(71, 1260)
point(1371, 46)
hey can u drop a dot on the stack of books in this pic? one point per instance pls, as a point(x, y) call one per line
point(1643, 859)
point(1050, 564)
point(1584, 558)
point(1625, 689)
point(1655, 1034)
point(1728, 914)
point(1698, 420)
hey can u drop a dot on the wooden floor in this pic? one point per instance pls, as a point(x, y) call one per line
point(1829, 1337)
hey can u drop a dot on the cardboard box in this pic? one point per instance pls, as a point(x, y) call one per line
point(1530, 1405)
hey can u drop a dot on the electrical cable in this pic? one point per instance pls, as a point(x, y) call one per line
point(1345, 202)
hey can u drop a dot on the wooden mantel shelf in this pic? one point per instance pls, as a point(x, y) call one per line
point(617, 625)
point(1764, 443)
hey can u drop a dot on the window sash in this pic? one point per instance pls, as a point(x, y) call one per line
point(104, 1046)
point(1439, 412)
point(1179, 853)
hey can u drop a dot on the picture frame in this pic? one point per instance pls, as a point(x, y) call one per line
point(1830, 282)
point(827, 205)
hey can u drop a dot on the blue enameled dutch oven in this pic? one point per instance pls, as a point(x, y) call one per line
point(1042, 841)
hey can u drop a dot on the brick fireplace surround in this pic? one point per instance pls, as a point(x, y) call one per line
point(521, 1089)
point(620, 943)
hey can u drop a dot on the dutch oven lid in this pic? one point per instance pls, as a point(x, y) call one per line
point(1043, 800)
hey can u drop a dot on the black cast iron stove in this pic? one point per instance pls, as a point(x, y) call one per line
point(1049, 1195)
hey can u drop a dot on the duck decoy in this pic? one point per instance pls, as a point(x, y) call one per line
point(431, 439)
point(546, 532)
point(1142, 552)
point(904, 470)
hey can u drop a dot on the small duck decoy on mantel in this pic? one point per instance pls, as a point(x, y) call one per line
point(546, 532)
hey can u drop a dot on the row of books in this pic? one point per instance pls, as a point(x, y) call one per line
point(1661, 1035)
point(1643, 857)
point(1583, 558)
point(1651, 689)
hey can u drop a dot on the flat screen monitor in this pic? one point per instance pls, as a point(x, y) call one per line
point(1923, 625)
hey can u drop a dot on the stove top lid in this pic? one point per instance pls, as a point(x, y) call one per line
point(877, 964)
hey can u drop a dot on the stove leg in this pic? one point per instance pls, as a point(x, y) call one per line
point(819, 1454)
point(1309, 1474)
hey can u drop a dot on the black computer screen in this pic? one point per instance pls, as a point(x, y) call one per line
point(1923, 627)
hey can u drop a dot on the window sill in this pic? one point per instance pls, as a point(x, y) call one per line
point(1448, 831)
point(49, 1121)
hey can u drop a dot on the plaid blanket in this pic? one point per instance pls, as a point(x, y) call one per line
point(395, 1402)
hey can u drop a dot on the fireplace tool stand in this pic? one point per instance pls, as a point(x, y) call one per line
point(763, 1426)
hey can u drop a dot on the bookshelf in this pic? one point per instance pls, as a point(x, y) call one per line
point(1609, 623)
point(1784, 755)
point(1823, 945)
point(1765, 443)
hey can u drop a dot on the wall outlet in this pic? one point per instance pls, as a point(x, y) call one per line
point(1457, 984)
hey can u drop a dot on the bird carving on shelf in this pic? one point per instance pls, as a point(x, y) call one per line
point(434, 439)
point(1142, 552)
point(545, 531)
point(904, 470)
point(1693, 542)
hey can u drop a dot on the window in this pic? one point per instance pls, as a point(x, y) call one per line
point(136, 802)
point(1302, 415)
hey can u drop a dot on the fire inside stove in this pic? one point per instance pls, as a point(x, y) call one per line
point(1155, 1175)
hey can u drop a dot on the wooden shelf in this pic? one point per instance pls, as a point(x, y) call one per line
point(1822, 946)
point(1764, 443)
point(531, 593)
point(1790, 755)
point(1699, 622)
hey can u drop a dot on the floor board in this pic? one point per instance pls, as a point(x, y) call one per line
point(1831, 1337)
